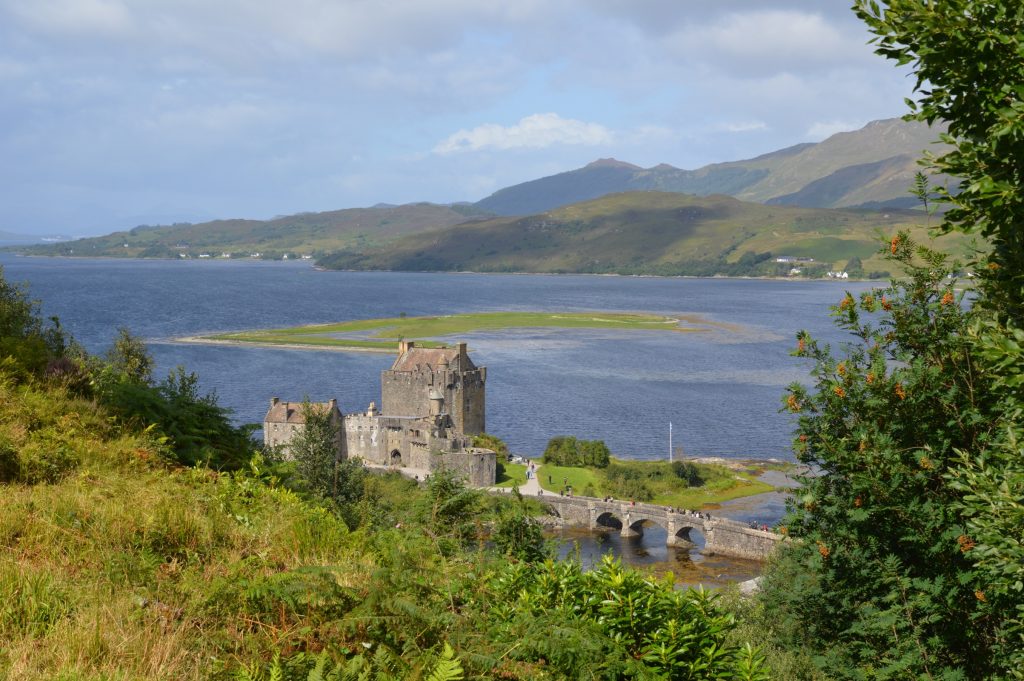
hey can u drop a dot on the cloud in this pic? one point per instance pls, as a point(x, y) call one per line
point(532, 132)
point(822, 129)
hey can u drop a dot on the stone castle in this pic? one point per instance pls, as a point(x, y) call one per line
point(432, 403)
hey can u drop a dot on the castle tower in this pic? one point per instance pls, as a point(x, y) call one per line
point(406, 388)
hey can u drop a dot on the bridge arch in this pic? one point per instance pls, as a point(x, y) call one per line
point(689, 536)
point(610, 520)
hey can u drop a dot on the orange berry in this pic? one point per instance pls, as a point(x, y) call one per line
point(947, 298)
point(838, 390)
point(900, 392)
point(893, 244)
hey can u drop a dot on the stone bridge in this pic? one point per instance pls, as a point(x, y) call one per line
point(721, 536)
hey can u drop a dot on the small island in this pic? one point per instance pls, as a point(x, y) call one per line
point(380, 335)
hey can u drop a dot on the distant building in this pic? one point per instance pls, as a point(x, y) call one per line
point(433, 403)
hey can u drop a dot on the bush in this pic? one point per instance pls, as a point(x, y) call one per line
point(568, 451)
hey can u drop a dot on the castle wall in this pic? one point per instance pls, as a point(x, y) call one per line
point(467, 403)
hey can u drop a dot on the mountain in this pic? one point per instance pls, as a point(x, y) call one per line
point(648, 233)
point(303, 233)
point(874, 165)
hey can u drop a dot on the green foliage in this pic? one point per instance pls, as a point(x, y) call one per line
point(566, 450)
point(449, 508)
point(492, 442)
point(966, 56)
point(880, 583)
point(129, 358)
point(684, 470)
point(518, 534)
point(198, 429)
point(27, 344)
point(614, 623)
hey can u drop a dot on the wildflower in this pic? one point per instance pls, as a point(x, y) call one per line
point(886, 305)
point(841, 369)
point(803, 438)
point(925, 463)
point(801, 345)
point(893, 244)
point(783, 530)
point(870, 378)
point(947, 298)
point(980, 595)
point(823, 550)
point(838, 390)
point(846, 302)
point(993, 266)
point(868, 301)
point(858, 502)
point(966, 543)
point(862, 446)
point(793, 403)
point(900, 392)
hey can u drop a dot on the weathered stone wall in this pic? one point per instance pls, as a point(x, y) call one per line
point(476, 466)
point(407, 393)
point(467, 399)
point(733, 539)
point(364, 438)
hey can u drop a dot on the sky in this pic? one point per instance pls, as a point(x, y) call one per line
point(115, 113)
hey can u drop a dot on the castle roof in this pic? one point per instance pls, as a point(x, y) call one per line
point(292, 412)
point(414, 357)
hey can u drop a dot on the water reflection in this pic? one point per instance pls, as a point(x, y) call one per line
point(649, 553)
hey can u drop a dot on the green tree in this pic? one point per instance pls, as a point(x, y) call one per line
point(967, 58)
point(882, 583)
point(518, 534)
point(315, 449)
point(129, 358)
point(27, 344)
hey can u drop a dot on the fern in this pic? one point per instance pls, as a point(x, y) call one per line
point(448, 668)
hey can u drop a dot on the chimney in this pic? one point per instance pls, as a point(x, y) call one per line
point(462, 352)
point(274, 401)
point(405, 346)
point(333, 404)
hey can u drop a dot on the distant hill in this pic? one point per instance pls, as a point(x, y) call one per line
point(874, 165)
point(304, 233)
point(648, 233)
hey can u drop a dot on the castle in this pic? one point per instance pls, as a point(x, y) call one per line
point(432, 403)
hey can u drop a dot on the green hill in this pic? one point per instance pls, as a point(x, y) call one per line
point(304, 233)
point(647, 233)
point(874, 165)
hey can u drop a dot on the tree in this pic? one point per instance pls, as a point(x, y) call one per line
point(967, 60)
point(517, 534)
point(882, 578)
point(129, 358)
point(315, 450)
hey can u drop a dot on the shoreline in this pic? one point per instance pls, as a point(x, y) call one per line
point(318, 268)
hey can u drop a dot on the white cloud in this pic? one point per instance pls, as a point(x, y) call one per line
point(822, 129)
point(532, 132)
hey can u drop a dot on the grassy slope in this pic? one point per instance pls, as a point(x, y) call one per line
point(124, 569)
point(389, 330)
point(642, 232)
point(301, 233)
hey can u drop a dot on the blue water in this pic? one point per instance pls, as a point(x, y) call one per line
point(721, 390)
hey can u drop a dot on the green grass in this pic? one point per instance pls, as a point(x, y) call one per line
point(720, 483)
point(578, 478)
point(385, 332)
point(515, 474)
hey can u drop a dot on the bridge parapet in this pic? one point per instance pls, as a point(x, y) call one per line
point(721, 535)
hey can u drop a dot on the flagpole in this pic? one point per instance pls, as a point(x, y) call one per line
point(670, 442)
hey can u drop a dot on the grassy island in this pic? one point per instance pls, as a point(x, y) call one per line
point(382, 334)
